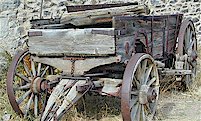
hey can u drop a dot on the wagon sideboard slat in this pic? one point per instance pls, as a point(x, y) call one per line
point(59, 42)
point(91, 17)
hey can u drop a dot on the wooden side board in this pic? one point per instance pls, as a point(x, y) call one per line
point(80, 66)
point(90, 17)
point(161, 32)
point(72, 42)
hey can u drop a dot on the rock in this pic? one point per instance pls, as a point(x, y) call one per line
point(33, 6)
point(46, 13)
point(197, 10)
point(53, 4)
point(184, 11)
point(47, 4)
point(31, 1)
point(21, 30)
point(62, 3)
point(62, 9)
point(4, 29)
point(195, 20)
point(6, 117)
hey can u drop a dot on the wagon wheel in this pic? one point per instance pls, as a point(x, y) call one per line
point(26, 84)
point(63, 97)
point(140, 89)
point(187, 45)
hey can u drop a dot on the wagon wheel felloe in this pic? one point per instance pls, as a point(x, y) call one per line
point(187, 46)
point(140, 88)
point(26, 84)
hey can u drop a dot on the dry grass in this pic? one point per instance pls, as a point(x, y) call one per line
point(95, 107)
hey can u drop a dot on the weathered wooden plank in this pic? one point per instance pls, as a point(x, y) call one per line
point(161, 32)
point(81, 66)
point(76, 8)
point(90, 17)
point(57, 42)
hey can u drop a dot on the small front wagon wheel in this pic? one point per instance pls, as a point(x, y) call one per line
point(140, 89)
point(187, 45)
point(26, 84)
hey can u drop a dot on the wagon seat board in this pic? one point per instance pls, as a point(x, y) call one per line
point(72, 42)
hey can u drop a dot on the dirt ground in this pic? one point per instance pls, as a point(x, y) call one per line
point(173, 106)
point(179, 107)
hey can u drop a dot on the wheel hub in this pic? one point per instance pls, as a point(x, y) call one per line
point(38, 85)
point(147, 94)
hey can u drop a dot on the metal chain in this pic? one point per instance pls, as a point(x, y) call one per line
point(72, 68)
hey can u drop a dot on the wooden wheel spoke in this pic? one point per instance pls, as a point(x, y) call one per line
point(41, 100)
point(147, 74)
point(33, 68)
point(188, 35)
point(135, 92)
point(144, 65)
point(139, 73)
point(139, 112)
point(191, 35)
point(44, 72)
point(26, 68)
point(151, 81)
point(148, 109)
point(19, 101)
point(28, 105)
point(134, 112)
point(133, 102)
point(24, 87)
point(190, 46)
point(39, 68)
point(36, 105)
point(22, 77)
point(143, 113)
point(136, 82)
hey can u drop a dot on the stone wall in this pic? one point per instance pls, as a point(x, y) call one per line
point(190, 9)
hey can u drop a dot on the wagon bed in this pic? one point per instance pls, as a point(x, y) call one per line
point(110, 51)
point(88, 41)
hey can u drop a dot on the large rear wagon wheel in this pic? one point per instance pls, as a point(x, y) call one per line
point(140, 89)
point(26, 84)
point(187, 45)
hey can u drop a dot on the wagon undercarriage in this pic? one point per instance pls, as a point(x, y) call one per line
point(104, 51)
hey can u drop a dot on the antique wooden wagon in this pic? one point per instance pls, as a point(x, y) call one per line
point(111, 51)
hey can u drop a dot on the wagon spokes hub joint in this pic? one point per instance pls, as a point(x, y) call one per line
point(147, 94)
point(39, 85)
